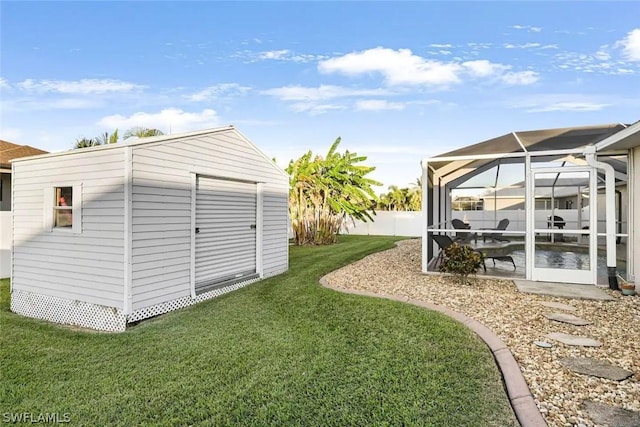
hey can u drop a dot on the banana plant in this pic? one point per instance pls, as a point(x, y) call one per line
point(142, 132)
point(327, 191)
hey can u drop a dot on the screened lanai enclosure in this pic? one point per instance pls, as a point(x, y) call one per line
point(553, 205)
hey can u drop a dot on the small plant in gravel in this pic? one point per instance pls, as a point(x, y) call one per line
point(461, 260)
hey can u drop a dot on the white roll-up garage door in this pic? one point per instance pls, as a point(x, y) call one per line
point(225, 232)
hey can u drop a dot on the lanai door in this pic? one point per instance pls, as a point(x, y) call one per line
point(564, 247)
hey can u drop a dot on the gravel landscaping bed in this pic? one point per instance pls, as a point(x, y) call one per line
point(517, 318)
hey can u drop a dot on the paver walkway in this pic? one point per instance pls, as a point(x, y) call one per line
point(599, 412)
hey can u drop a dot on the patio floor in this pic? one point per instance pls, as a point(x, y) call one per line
point(564, 290)
point(515, 249)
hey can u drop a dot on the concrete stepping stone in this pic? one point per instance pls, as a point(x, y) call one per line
point(567, 318)
point(574, 340)
point(558, 305)
point(595, 368)
point(543, 344)
point(603, 414)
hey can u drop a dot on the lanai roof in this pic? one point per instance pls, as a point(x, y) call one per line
point(482, 154)
point(540, 140)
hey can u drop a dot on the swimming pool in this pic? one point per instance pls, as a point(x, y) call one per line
point(566, 258)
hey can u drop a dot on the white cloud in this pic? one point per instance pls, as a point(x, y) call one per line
point(274, 54)
point(402, 67)
point(562, 102)
point(217, 91)
point(169, 120)
point(378, 105)
point(398, 67)
point(568, 106)
point(79, 87)
point(476, 46)
point(315, 109)
point(521, 78)
point(277, 55)
point(523, 46)
point(484, 68)
point(320, 93)
point(528, 28)
point(600, 62)
point(631, 45)
point(4, 84)
point(444, 46)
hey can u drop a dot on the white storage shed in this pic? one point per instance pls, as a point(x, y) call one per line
point(110, 235)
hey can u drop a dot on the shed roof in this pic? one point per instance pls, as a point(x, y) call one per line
point(158, 140)
point(10, 151)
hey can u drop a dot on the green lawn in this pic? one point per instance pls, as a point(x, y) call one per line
point(283, 351)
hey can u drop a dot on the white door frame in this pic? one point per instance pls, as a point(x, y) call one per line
point(555, 274)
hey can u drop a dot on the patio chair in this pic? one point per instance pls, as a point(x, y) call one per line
point(556, 221)
point(461, 236)
point(444, 242)
point(506, 258)
point(497, 237)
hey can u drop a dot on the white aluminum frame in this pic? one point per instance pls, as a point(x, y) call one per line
point(529, 204)
point(556, 274)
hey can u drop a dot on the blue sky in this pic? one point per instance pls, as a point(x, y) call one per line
point(397, 81)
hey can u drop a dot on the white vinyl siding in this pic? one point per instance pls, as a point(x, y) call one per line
point(275, 232)
point(161, 224)
point(86, 263)
point(132, 248)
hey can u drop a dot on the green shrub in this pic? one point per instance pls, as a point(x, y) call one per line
point(461, 260)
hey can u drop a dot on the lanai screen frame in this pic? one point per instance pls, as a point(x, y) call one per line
point(485, 161)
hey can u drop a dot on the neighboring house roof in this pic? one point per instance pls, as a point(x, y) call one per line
point(562, 187)
point(10, 151)
point(519, 193)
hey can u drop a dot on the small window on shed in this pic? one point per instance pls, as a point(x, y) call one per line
point(63, 207)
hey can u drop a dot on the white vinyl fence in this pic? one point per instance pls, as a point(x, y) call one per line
point(401, 223)
point(5, 244)
point(389, 223)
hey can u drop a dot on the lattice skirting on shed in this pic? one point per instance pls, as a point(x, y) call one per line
point(176, 304)
point(68, 312)
point(102, 318)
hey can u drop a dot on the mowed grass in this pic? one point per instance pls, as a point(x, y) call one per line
point(284, 351)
